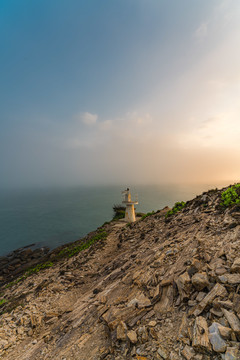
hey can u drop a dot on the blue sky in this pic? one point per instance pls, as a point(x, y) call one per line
point(119, 90)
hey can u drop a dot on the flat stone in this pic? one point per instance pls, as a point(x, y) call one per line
point(218, 344)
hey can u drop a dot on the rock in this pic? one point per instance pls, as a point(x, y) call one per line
point(200, 281)
point(3, 343)
point(166, 301)
point(235, 268)
point(184, 286)
point(152, 323)
point(183, 330)
point(140, 301)
point(220, 271)
point(200, 335)
point(218, 344)
point(194, 267)
point(225, 304)
point(233, 321)
point(121, 331)
point(132, 335)
point(217, 290)
point(236, 303)
point(225, 332)
point(232, 353)
point(216, 312)
point(153, 333)
point(188, 352)
point(142, 334)
point(200, 296)
point(162, 352)
point(232, 279)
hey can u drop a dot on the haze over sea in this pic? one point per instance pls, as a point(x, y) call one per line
point(55, 216)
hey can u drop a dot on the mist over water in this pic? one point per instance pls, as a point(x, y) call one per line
point(52, 217)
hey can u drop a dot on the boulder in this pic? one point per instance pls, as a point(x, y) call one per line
point(200, 280)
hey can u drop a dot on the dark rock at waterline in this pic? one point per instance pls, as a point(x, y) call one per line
point(20, 260)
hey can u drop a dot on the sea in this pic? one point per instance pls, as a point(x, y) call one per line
point(55, 216)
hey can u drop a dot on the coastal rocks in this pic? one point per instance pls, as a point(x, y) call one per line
point(142, 300)
point(20, 260)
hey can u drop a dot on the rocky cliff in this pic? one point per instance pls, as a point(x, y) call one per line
point(160, 288)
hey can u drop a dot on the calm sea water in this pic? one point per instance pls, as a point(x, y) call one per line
point(56, 216)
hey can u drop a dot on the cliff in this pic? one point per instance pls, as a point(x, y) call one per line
point(164, 287)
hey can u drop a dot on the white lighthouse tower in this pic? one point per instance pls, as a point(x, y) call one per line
point(130, 211)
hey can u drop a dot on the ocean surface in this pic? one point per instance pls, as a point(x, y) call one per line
point(52, 217)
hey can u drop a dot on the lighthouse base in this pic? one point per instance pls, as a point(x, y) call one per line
point(130, 213)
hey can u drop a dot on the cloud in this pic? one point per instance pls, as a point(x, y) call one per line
point(207, 123)
point(105, 125)
point(88, 119)
point(201, 32)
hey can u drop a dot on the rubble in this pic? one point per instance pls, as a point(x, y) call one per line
point(156, 289)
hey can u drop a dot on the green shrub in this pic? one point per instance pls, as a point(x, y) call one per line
point(118, 212)
point(2, 301)
point(29, 272)
point(148, 214)
point(177, 207)
point(70, 251)
point(231, 196)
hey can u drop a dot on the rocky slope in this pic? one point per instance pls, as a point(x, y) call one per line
point(157, 289)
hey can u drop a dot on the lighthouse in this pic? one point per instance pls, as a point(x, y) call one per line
point(130, 211)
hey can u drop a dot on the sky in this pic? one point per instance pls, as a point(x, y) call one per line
point(119, 91)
